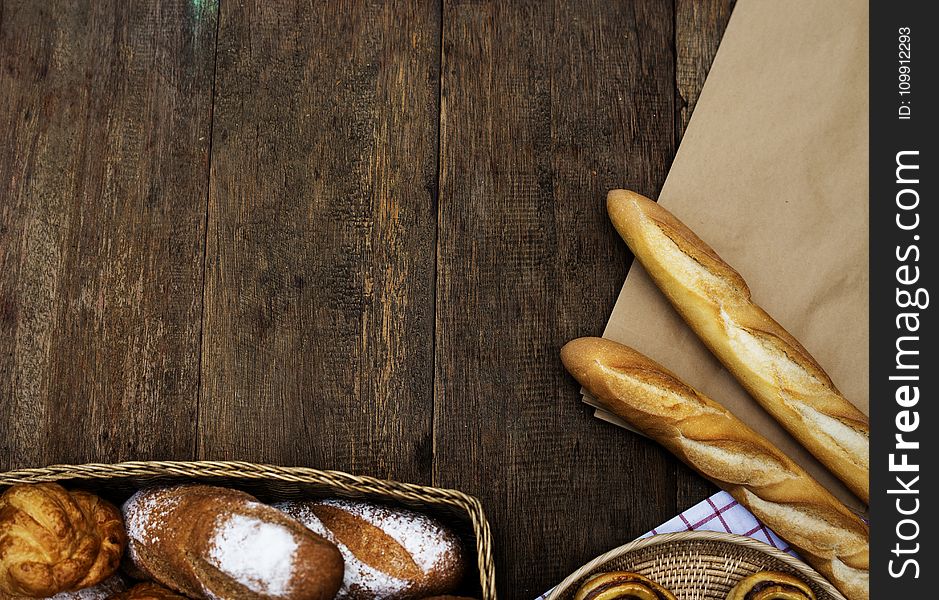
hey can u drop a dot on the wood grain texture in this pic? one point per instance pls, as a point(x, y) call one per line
point(699, 27)
point(545, 106)
point(323, 301)
point(321, 235)
point(105, 112)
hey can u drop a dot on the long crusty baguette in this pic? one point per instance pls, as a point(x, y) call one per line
point(714, 442)
point(771, 364)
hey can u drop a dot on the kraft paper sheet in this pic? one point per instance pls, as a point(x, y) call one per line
point(773, 174)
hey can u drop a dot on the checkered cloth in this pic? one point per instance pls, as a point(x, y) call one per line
point(720, 512)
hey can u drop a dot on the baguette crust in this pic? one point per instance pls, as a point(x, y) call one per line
point(771, 364)
point(711, 440)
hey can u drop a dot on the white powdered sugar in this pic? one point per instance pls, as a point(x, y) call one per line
point(425, 540)
point(430, 545)
point(255, 553)
point(104, 590)
point(357, 575)
point(144, 512)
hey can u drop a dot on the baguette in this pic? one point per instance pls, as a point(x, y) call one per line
point(711, 440)
point(771, 364)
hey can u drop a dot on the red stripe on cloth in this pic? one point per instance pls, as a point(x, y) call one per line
point(769, 538)
point(719, 511)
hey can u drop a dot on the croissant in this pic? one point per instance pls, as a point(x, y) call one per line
point(53, 540)
point(771, 585)
point(622, 584)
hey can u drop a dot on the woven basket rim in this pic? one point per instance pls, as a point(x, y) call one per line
point(714, 536)
point(227, 468)
point(339, 480)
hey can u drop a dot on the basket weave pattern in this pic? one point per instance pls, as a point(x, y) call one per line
point(697, 565)
point(276, 483)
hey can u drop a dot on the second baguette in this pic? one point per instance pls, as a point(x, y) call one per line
point(714, 442)
point(769, 362)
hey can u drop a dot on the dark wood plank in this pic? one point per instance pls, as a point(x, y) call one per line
point(699, 26)
point(545, 107)
point(105, 111)
point(321, 237)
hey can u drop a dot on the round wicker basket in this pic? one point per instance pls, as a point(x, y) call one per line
point(696, 565)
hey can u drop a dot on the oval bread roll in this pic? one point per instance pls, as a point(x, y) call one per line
point(390, 553)
point(210, 542)
point(714, 442)
point(148, 591)
point(771, 364)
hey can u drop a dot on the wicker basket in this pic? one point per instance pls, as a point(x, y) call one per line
point(696, 565)
point(269, 483)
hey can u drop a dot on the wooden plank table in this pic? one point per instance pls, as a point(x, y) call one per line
point(349, 235)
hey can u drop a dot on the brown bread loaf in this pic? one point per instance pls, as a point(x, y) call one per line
point(718, 445)
point(210, 542)
point(148, 591)
point(771, 364)
point(53, 540)
point(390, 553)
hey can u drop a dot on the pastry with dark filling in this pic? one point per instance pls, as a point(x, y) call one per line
point(622, 585)
point(771, 585)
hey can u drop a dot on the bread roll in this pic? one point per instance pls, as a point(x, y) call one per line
point(771, 585)
point(718, 445)
point(771, 364)
point(53, 540)
point(209, 542)
point(623, 585)
point(148, 591)
point(390, 553)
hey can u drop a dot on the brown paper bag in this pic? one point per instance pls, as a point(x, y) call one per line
point(773, 174)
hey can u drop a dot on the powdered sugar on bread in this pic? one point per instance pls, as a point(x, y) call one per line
point(358, 575)
point(256, 554)
point(220, 543)
point(432, 548)
point(427, 542)
point(104, 590)
point(143, 513)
